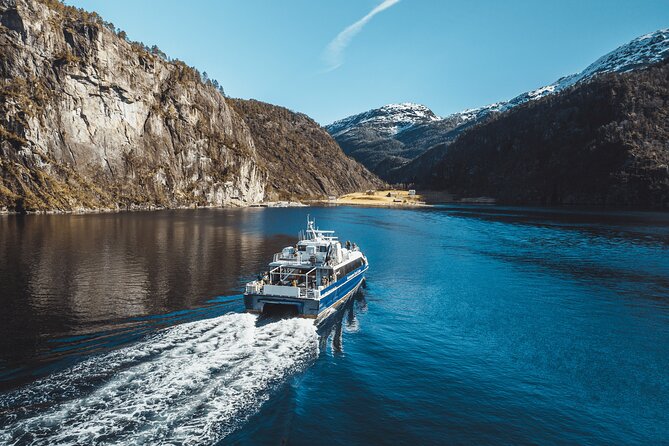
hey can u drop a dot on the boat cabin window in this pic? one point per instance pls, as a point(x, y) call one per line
point(302, 248)
point(349, 267)
point(323, 248)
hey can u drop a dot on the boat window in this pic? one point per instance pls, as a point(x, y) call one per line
point(349, 267)
point(302, 247)
point(323, 248)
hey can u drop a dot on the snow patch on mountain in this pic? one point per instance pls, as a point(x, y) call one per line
point(645, 50)
point(392, 119)
point(388, 120)
point(640, 52)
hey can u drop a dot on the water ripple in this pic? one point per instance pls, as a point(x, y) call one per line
point(188, 384)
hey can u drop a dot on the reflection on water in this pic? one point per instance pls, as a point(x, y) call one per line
point(331, 331)
point(63, 276)
point(478, 325)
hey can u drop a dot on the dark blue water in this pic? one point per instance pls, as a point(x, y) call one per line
point(478, 325)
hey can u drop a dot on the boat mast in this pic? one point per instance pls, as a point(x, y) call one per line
point(310, 228)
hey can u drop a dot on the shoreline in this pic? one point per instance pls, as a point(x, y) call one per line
point(380, 198)
point(88, 211)
point(428, 199)
point(375, 205)
point(388, 198)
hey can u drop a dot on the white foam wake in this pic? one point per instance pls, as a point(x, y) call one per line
point(188, 384)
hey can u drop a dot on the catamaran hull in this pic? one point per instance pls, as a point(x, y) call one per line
point(333, 297)
point(339, 303)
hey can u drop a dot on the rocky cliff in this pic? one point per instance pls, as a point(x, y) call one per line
point(300, 157)
point(601, 142)
point(89, 120)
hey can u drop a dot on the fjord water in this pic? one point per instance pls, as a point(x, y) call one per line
point(478, 325)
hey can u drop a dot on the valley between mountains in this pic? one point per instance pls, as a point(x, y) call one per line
point(90, 120)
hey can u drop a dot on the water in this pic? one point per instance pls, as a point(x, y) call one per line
point(478, 325)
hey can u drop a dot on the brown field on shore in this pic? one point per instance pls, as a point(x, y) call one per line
point(389, 197)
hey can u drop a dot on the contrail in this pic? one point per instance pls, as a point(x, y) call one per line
point(334, 52)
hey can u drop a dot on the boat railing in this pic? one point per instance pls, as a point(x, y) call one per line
point(304, 289)
point(278, 275)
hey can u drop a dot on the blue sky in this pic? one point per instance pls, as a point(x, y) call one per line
point(448, 55)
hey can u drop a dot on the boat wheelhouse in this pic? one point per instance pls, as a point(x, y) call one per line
point(311, 279)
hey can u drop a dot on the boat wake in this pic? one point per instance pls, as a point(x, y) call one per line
point(188, 384)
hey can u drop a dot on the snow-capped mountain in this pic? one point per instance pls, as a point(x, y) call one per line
point(383, 138)
point(600, 142)
point(388, 120)
point(640, 52)
point(406, 130)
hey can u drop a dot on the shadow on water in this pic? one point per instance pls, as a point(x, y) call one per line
point(273, 313)
point(332, 329)
point(273, 424)
point(647, 228)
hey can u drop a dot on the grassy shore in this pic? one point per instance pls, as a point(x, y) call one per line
point(388, 198)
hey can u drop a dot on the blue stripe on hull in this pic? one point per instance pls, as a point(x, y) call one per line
point(342, 289)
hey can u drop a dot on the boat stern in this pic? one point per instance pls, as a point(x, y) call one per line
point(267, 299)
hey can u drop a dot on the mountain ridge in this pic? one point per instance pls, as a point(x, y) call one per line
point(391, 118)
point(363, 142)
point(604, 142)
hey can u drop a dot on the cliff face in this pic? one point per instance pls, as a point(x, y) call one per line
point(89, 120)
point(603, 142)
point(300, 157)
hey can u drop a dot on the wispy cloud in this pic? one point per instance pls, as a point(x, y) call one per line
point(334, 52)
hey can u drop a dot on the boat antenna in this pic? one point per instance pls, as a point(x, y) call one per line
point(311, 231)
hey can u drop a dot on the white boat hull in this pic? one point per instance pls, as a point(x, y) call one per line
point(319, 308)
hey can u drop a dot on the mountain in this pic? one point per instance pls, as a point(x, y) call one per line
point(640, 52)
point(89, 120)
point(602, 142)
point(386, 121)
point(299, 156)
point(437, 134)
point(383, 138)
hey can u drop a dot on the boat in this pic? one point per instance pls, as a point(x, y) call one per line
point(311, 279)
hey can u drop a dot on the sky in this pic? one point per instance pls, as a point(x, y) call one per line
point(334, 58)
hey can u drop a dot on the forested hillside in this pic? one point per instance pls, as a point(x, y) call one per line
point(602, 142)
